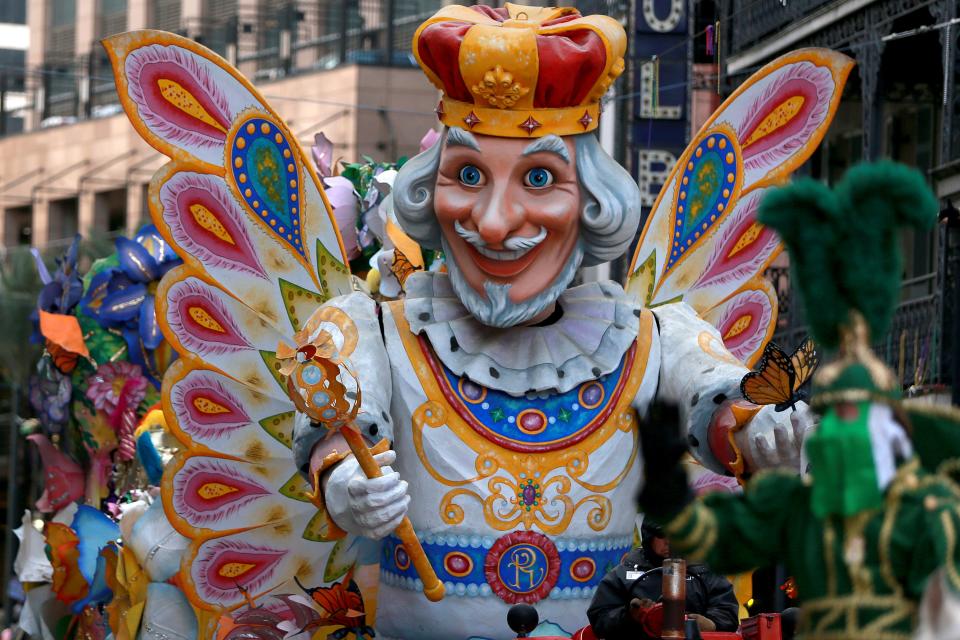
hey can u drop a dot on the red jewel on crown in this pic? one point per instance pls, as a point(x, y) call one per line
point(529, 125)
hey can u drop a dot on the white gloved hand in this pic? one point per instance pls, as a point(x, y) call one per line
point(369, 507)
point(775, 439)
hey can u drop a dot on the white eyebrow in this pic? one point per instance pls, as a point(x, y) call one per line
point(457, 137)
point(551, 144)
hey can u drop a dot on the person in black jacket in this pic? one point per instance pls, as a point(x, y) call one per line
point(624, 597)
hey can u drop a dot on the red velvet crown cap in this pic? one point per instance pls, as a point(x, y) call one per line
point(520, 71)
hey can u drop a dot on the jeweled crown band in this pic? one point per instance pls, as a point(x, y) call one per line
point(529, 123)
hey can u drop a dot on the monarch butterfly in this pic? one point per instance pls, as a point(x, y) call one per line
point(401, 266)
point(779, 377)
point(65, 361)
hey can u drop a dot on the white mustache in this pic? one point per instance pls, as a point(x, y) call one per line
point(516, 246)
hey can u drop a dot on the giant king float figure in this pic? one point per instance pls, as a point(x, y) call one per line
point(505, 401)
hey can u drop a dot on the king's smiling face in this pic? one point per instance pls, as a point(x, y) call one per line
point(508, 209)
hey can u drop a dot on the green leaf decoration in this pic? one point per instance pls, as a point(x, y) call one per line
point(104, 345)
point(342, 558)
point(327, 266)
point(296, 488)
point(647, 270)
point(280, 428)
point(678, 298)
point(299, 303)
point(319, 528)
point(270, 359)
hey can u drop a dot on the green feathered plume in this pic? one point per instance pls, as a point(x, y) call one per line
point(843, 243)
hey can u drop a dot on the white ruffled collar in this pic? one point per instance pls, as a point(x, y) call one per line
point(598, 325)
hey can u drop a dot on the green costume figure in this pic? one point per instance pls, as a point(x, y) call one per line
point(875, 525)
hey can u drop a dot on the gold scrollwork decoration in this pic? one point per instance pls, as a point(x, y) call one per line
point(508, 473)
point(487, 464)
point(599, 517)
point(542, 490)
point(450, 512)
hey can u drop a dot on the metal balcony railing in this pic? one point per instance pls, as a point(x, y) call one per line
point(754, 20)
point(918, 345)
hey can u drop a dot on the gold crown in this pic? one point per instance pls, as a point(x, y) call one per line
point(520, 71)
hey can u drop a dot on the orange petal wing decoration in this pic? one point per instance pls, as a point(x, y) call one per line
point(241, 204)
point(702, 243)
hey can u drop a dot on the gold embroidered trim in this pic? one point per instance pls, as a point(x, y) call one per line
point(948, 412)
point(896, 610)
point(951, 539)
point(853, 528)
point(823, 398)
point(855, 349)
point(698, 542)
point(683, 518)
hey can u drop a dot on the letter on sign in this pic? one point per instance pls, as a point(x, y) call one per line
point(667, 23)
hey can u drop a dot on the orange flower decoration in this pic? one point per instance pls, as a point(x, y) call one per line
point(68, 582)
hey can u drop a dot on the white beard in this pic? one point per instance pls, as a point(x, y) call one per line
point(496, 309)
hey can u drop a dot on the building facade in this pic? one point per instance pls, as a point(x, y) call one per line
point(900, 103)
point(14, 40)
point(69, 160)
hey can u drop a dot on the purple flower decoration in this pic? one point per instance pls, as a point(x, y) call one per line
point(345, 210)
point(62, 291)
point(50, 393)
point(322, 151)
point(123, 297)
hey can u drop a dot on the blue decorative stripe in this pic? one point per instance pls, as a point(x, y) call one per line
point(592, 558)
point(545, 419)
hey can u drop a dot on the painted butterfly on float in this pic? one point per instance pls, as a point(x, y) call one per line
point(702, 243)
point(780, 379)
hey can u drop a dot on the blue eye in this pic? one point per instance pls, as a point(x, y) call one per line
point(470, 175)
point(538, 178)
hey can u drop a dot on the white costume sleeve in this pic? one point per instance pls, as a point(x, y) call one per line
point(697, 373)
point(939, 611)
point(369, 362)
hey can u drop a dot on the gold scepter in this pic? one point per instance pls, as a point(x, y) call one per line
point(313, 371)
